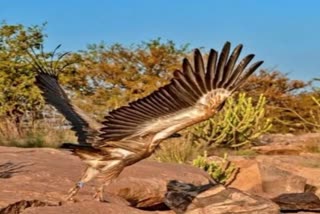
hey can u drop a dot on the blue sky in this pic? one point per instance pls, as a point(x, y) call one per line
point(285, 34)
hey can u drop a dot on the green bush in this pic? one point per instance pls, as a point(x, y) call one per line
point(222, 171)
point(237, 125)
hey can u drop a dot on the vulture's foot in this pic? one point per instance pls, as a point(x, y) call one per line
point(99, 194)
point(73, 191)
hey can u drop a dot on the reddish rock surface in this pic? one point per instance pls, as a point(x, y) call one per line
point(37, 180)
point(41, 177)
point(37, 174)
point(144, 184)
point(231, 200)
point(271, 176)
point(284, 164)
point(305, 165)
point(287, 144)
point(249, 177)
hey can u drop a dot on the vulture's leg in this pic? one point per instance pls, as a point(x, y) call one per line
point(89, 173)
point(109, 174)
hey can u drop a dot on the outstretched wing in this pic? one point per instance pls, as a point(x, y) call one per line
point(193, 95)
point(47, 81)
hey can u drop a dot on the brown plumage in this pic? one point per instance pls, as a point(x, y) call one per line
point(133, 132)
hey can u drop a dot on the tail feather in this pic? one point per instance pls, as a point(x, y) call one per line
point(86, 151)
point(72, 146)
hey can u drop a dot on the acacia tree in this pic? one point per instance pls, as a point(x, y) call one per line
point(111, 76)
point(289, 103)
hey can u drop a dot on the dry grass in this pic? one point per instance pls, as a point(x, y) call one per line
point(177, 150)
point(39, 134)
point(312, 146)
point(183, 150)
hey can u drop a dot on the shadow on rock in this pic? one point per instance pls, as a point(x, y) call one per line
point(180, 195)
point(19, 206)
point(8, 169)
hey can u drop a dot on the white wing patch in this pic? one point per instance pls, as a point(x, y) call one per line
point(204, 109)
point(166, 126)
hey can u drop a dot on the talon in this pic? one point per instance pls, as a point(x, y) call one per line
point(72, 192)
point(98, 196)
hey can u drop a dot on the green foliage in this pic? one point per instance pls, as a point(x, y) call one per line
point(221, 171)
point(238, 124)
point(18, 94)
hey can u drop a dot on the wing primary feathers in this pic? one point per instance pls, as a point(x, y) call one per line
point(221, 64)
point(189, 74)
point(211, 69)
point(238, 71)
point(168, 95)
point(186, 85)
point(250, 71)
point(189, 99)
point(37, 63)
point(199, 70)
point(175, 95)
point(52, 55)
point(231, 63)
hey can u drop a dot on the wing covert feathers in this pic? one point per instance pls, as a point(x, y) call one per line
point(184, 90)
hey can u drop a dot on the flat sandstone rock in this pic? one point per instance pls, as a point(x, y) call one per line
point(37, 180)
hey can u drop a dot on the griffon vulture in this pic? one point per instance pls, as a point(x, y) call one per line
point(133, 132)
